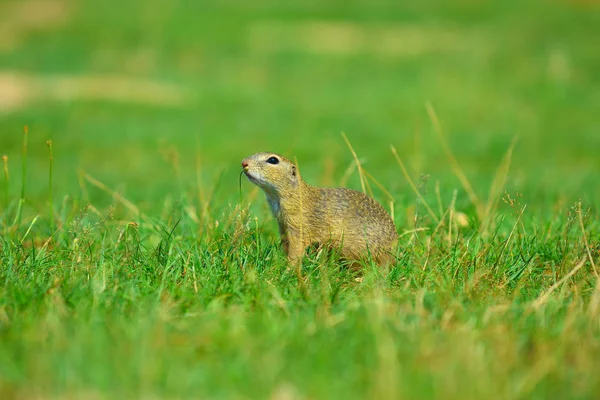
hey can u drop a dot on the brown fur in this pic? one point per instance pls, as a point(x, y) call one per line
point(343, 218)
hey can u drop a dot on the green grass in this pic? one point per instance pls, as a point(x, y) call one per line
point(132, 267)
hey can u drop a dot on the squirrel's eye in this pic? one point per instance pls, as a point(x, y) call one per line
point(273, 160)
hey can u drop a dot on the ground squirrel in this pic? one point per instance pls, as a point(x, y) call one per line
point(349, 220)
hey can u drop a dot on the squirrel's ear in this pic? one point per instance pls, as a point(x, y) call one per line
point(294, 177)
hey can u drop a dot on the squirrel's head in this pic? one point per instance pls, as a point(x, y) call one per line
point(271, 172)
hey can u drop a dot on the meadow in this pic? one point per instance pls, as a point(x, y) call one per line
point(134, 265)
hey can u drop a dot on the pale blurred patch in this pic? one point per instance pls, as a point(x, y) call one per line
point(285, 391)
point(347, 38)
point(461, 219)
point(559, 67)
point(24, 16)
point(138, 61)
point(18, 90)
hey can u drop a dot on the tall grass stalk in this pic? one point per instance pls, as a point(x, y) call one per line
point(5, 161)
point(50, 205)
point(23, 178)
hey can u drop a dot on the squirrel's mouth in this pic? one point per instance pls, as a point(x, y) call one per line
point(250, 176)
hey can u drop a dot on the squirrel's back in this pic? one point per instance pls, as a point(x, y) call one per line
point(356, 219)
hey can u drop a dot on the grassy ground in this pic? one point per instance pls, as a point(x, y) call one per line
point(140, 270)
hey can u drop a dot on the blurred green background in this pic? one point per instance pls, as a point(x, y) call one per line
point(125, 88)
point(161, 99)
